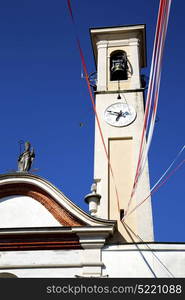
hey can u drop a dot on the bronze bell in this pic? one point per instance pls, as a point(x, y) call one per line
point(119, 67)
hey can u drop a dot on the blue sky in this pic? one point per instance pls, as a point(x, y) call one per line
point(44, 99)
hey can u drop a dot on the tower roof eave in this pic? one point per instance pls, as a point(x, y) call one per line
point(118, 33)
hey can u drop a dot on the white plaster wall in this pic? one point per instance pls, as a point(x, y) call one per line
point(47, 263)
point(23, 211)
point(144, 224)
point(139, 261)
point(152, 260)
point(44, 272)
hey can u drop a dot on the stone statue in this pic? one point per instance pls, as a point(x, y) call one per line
point(26, 158)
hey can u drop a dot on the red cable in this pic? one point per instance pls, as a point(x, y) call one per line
point(93, 102)
point(157, 45)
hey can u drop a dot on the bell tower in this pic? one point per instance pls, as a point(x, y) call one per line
point(120, 55)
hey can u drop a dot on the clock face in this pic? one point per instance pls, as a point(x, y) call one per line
point(119, 114)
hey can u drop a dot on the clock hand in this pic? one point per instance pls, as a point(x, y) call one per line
point(113, 112)
point(119, 115)
point(124, 114)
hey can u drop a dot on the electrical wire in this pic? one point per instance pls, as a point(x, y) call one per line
point(153, 91)
point(146, 244)
point(156, 188)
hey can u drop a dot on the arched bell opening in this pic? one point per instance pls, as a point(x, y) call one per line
point(118, 65)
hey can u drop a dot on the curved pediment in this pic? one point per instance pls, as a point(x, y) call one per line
point(24, 192)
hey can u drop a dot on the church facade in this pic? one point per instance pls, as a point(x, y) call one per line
point(44, 234)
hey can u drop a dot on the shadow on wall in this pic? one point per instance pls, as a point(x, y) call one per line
point(7, 275)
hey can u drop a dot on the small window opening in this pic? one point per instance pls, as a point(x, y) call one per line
point(121, 214)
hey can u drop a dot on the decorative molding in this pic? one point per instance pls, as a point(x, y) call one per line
point(53, 238)
point(40, 241)
point(51, 197)
point(102, 44)
point(94, 237)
